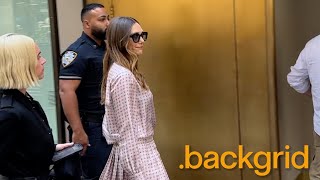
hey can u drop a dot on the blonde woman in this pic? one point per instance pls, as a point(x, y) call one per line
point(26, 141)
point(129, 120)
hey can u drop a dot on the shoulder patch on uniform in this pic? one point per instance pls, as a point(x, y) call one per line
point(68, 57)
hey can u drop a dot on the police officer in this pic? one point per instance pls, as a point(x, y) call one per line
point(79, 88)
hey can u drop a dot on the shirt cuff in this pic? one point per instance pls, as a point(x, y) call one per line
point(302, 88)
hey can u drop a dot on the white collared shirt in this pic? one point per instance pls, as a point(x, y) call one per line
point(306, 73)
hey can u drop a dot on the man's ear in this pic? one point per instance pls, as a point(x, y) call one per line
point(86, 24)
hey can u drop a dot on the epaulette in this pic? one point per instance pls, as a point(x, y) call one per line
point(6, 101)
point(80, 43)
point(76, 45)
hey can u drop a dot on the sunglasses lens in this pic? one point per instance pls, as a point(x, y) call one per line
point(135, 37)
point(144, 35)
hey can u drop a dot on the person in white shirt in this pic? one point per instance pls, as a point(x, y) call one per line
point(305, 78)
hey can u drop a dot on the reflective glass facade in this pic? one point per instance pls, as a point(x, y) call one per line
point(31, 18)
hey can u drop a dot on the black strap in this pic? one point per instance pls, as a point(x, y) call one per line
point(92, 117)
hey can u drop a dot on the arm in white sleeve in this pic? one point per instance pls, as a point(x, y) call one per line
point(298, 78)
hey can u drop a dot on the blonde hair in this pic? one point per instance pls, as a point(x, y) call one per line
point(18, 62)
point(118, 34)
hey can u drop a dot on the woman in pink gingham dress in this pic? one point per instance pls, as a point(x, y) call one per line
point(129, 120)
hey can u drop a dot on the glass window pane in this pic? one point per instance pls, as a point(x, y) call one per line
point(31, 18)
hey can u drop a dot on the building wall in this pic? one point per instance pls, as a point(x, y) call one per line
point(69, 22)
point(295, 23)
point(209, 64)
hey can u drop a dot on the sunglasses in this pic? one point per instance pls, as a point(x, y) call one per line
point(136, 36)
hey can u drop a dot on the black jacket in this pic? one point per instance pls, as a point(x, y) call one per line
point(26, 141)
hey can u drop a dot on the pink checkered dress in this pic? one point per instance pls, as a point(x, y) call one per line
point(129, 124)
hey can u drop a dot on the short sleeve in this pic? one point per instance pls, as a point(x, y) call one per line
point(73, 65)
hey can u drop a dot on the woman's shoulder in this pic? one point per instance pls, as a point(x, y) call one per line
point(11, 105)
point(8, 116)
point(118, 69)
point(118, 72)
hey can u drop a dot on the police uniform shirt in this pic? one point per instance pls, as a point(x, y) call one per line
point(83, 61)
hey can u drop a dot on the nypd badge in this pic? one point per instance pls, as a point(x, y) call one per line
point(68, 57)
